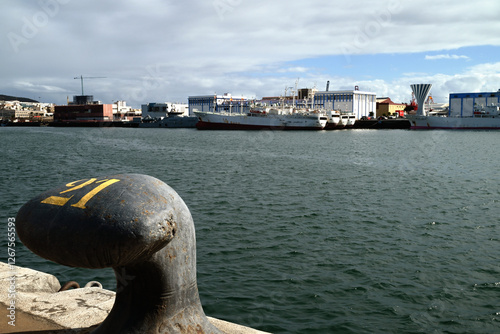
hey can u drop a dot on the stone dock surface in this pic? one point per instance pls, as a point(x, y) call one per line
point(30, 300)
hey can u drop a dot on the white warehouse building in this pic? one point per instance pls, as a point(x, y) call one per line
point(348, 101)
point(217, 103)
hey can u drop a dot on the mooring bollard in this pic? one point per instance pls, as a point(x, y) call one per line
point(137, 225)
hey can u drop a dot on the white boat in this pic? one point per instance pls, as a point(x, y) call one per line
point(351, 119)
point(262, 118)
point(344, 120)
point(483, 118)
point(337, 120)
point(333, 120)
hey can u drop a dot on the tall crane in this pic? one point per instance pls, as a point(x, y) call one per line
point(81, 77)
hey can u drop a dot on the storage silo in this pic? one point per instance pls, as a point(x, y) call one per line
point(421, 91)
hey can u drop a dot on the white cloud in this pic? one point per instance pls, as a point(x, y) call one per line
point(446, 56)
point(480, 78)
point(195, 47)
point(31, 87)
point(484, 69)
point(297, 69)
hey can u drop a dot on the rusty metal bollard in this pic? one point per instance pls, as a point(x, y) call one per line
point(137, 225)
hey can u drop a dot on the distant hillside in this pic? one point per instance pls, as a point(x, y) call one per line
point(14, 98)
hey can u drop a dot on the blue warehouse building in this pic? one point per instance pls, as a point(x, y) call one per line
point(462, 104)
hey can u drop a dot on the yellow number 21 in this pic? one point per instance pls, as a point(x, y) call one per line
point(60, 201)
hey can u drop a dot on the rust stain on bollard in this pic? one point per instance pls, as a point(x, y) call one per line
point(135, 224)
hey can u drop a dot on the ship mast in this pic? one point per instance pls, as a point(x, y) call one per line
point(283, 102)
point(295, 91)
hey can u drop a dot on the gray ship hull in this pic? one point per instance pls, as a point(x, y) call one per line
point(172, 122)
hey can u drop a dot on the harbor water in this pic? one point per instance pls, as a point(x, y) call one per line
point(351, 231)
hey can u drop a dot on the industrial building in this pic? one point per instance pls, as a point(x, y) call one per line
point(462, 104)
point(84, 108)
point(224, 102)
point(84, 112)
point(162, 110)
point(347, 101)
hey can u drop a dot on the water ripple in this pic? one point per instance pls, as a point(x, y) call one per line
point(323, 232)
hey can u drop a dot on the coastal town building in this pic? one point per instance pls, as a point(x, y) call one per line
point(25, 111)
point(122, 112)
point(386, 107)
point(7, 114)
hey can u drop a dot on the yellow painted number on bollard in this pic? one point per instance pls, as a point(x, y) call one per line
point(60, 201)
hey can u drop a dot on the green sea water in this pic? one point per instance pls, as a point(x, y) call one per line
point(352, 231)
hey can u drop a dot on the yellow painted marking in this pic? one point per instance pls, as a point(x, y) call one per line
point(56, 200)
point(77, 187)
point(81, 203)
point(61, 201)
point(72, 184)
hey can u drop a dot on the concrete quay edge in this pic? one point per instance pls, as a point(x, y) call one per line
point(39, 307)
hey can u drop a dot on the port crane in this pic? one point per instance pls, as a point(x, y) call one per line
point(81, 77)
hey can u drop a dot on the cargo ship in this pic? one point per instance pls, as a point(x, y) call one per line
point(483, 118)
point(260, 119)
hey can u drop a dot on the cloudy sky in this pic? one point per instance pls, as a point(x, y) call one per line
point(166, 50)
